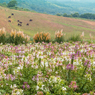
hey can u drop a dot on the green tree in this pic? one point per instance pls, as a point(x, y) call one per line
point(75, 15)
point(88, 16)
point(65, 15)
point(58, 14)
point(12, 3)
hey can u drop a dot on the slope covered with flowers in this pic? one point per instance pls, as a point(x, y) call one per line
point(47, 69)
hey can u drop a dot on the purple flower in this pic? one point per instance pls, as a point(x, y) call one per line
point(25, 83)
point(70, 66)
point(87, 63)
point(23, 87)
point(28, 86)
point(33, 78)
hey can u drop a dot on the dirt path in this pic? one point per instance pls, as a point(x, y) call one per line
point(89, 22)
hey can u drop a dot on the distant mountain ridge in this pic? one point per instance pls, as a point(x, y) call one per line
point(57, 6)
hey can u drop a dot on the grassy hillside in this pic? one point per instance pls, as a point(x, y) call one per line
point(44, 23)
point(56, 6)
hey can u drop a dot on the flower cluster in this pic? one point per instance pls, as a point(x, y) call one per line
point(73, 85)
point(47, 69)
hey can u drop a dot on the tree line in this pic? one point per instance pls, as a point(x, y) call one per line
point(77, 15)
point(13, 5)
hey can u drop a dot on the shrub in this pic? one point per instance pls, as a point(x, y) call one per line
point(2, 35)
point(42, 37)
point(75, 38)
point(18, 37)
point(59, 36)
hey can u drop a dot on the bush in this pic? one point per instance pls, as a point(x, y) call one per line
point(2, 35)
point(42, 37)
point(58, 14)
point(18, 37)
point(59, 36)
point(75, 38)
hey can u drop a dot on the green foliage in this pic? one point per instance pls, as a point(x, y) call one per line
point(27, 74)
point(66, 15)
point(2, 39)
point(3, 4)
point(59, 40)
point(75, 38)
point(12, 3)
point(48, 69)
point(2, 35)
point(58, 14)
point(87, 16)
point(54, 6)
point(17, 40)
point(59, 36)
point(75, 15)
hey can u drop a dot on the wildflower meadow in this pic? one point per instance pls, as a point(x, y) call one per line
point(59, 68)
point(47, 69)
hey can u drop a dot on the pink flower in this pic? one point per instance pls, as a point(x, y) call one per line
point(73, 85)
point(70, 66)
point(23, 87)
point(28, 86)
point(40, 93)
point(87, 63)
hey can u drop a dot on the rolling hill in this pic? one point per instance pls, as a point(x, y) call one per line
point(57, 6)
point(44, 23)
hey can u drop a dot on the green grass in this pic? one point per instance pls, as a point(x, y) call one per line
point(45, 23)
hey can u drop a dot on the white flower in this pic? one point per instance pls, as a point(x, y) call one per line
point(18, 93)
point(88, 76)
point(14, 86)
point(53, 79)
point(37, 88)
point(42, 87)
point(41, 57)
point(20, 67)
point(42, 63)
point(63, 88)
point(46, 64)
point(94, 63)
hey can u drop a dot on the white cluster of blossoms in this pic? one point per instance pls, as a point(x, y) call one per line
point(57, 80)
point(16, 91)
point(44, 63)
point(41, 87)
point(88, 76)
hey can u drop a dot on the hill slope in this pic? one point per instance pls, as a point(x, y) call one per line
point(44, 23)
point(57, 6)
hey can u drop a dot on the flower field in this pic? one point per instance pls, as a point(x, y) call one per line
point(47, 69)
